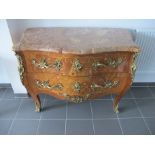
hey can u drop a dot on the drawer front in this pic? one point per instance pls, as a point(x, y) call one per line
point(73, 65)
point(66, 87)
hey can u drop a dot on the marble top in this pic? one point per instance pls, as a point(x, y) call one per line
point(77, 40)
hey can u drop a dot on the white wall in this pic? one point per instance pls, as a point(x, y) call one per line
point(8, 60)
point(17, 27)
point(3, 74)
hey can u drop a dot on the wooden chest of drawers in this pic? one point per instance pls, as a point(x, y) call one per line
point(76, 64)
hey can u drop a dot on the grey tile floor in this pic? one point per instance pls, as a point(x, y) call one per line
point(137, 115)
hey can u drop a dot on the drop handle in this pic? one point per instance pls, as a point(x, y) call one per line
point(42, 64)
point(108, 63)
point(108, 84)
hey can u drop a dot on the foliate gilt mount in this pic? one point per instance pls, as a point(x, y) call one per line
point(45, 84)
point(76, 99)
point(108, 84)
point(108, 63)
point(42, 64)
point(20, 67)
point(77, 86)
point(133, 66)
point(76, 65)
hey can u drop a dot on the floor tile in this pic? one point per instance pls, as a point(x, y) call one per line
point(134, 126)
point(128, 95)
point(128, 108)
point(54, 109)
point(9, 94)
point(151, 124)
point(27, 122)
point(26, 96)
point(8, 108)
point(79, 127)
point(152, 90)
point(79, 110)
point(5, 85)
point(147, 107)
point(4, 126)
point(102, 109)
point(51, 127)
point(141, 92)
point(21, 95)
point(27, 110)
point(2, 92)
point(107, 127)
point(24, 127)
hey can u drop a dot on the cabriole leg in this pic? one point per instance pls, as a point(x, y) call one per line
point(36, 100)
point(117, 100)
point(37, 107)
point(116, 103)
point(37, 103)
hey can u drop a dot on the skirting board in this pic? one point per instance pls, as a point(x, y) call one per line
point(5, 85)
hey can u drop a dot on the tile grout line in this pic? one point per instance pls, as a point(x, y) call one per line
point(5, 87)
point(22, 97)
point(118, 119)
point(92, 116)
point(66, 117)
point(143, 117)
point(141, 113)
point(81, 119)
point(120, 124)
point(147, 125)
point(90, 100)
point(15, 116)
point(40, 116)
point(151, 92)
point(4, 93)
point(143, 97)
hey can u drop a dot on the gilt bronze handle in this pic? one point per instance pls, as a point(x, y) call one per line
point(77, 86)
point(98, 64)
point(45, 84)
point(108, 63)
point(107, 84)
point(42, 64)
point(77, 66)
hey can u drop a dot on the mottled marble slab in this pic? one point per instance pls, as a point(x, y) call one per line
point(77, 40)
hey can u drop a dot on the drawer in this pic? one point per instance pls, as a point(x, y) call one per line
point(77, 86)
point(77, 65)
point(111, 62)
